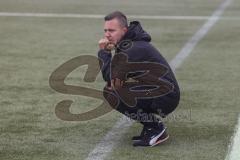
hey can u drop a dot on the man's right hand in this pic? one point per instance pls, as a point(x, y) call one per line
point(105, 44)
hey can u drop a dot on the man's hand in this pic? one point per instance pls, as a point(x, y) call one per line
point(105, 44)
point(116, 83)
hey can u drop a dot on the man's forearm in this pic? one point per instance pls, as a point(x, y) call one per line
point(105, 60)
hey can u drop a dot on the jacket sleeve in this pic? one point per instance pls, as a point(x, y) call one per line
point(104, 62)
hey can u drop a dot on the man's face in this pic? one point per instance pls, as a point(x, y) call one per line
point(113, 30)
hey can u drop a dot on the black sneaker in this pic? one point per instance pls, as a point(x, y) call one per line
point(143, 132)
point(152, 137)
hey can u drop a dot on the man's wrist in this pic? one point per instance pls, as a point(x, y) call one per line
point(105, 51)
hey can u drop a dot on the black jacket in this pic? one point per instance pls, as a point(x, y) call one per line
point(136, 44)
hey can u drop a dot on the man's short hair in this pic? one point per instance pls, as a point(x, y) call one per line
point(119, 16)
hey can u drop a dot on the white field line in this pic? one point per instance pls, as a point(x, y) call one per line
point(234, 148)
point(111, 139)
point(99, 16)
point(187, 49)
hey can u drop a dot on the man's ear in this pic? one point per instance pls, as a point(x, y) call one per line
point(125, 29)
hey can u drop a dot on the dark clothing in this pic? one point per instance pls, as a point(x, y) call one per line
point(136, 44)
